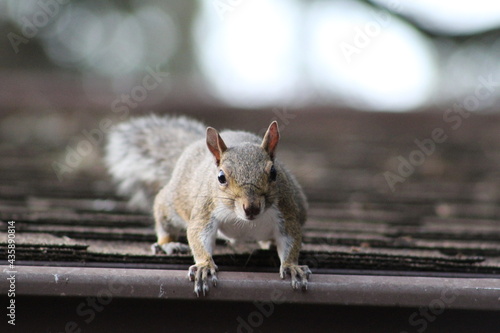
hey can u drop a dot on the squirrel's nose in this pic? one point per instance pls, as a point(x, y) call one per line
point(251, 210)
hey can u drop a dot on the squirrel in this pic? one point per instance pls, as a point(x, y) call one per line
point(209, 185)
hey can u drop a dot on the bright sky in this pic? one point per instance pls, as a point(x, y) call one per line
point(278, 52)
point(250, 52)
point(369, 58)
point(263, 52)
point(451, 16)
point(260, 52)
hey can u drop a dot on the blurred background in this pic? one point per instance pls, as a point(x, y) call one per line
point(67, 65)
point(380, 55)
point(388, 110)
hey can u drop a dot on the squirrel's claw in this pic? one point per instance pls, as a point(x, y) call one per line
point(299, 275)
point(199, 274)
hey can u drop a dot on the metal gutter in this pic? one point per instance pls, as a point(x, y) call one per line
point(346, 290)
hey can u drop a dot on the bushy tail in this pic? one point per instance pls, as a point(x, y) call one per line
point(141, 154)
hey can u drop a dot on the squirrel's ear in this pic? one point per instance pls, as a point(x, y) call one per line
point(215, 144)
point(271, 139)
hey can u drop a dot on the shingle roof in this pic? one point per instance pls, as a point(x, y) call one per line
point(442, 221)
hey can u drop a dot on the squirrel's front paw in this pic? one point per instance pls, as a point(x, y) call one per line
point(299, 275)
point(199, 274)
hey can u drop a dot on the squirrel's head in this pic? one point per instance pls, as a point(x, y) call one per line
point(246, 175)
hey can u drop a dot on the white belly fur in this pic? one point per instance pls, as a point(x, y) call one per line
point(232, 228)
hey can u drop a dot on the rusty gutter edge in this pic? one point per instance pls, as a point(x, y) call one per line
point(345, 290)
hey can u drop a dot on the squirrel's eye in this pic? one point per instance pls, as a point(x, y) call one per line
point(272, 174)
point(222, 178)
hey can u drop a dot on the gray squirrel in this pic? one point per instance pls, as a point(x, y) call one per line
point(209, 185)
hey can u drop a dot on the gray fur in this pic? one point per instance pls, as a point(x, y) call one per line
point(141, 154)
point(177, 160)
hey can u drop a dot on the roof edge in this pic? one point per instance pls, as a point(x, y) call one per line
point(346, 290)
